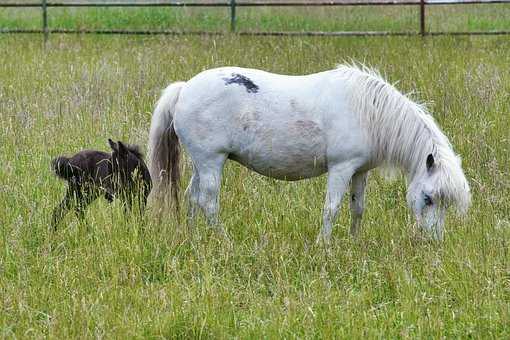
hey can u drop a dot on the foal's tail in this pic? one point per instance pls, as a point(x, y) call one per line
point(63, 168)
point(164, 148)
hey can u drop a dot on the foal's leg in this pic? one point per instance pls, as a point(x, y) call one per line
point(358, 184)
point(127, 198)
point(63, 208)
point(338, 180)
point(109, 197)
point(76, 198)
point(83, 198)
point(209, 172)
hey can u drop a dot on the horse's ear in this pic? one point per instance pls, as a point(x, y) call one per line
point(113, 145)
point(430, 162)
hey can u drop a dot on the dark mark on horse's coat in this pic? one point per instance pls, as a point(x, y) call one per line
point(239, 79)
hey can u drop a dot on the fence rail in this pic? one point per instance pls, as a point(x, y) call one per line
point(232, 4)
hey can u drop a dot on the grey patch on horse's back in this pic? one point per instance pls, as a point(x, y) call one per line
point(239, 79)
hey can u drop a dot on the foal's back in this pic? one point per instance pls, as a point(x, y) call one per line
point(86, 165)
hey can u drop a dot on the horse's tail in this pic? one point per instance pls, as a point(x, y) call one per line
point(164, 147)
point(63, 168)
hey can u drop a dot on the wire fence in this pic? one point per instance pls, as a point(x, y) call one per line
point(234, 4)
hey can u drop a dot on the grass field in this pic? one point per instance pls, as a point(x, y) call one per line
point(385, 18)
point(112, 277)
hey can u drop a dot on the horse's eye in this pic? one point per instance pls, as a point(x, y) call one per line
point(428, 200)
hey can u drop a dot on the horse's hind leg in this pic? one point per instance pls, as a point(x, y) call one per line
point(210, 168)
point(358, 184)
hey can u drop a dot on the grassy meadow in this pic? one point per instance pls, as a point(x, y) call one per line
point(117, 277)
point(371, 18)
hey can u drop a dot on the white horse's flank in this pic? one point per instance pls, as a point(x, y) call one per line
point(345, 122)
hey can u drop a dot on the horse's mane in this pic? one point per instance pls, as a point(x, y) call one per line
point(402, 132)
point(135, 149)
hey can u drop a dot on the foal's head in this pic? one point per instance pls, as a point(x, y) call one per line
point(128, 165)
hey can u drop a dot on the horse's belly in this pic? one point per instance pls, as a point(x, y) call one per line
point(291, 151)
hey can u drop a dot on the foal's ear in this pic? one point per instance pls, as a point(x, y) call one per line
point(122, 148)
point(113, 145)
point(430, 162)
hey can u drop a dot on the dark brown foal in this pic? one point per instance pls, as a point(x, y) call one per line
point(91, 174)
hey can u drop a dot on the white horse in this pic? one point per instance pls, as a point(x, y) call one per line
point(342, 122)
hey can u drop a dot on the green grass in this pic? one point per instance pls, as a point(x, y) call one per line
point(381, 18)
point(129, 278)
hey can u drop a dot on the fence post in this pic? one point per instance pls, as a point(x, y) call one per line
point(232, 15)
point(45, 19)
point(422, 17)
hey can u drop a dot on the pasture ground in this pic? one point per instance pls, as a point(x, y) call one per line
point(130, 278)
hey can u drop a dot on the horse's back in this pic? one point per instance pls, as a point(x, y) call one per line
point(247, 84)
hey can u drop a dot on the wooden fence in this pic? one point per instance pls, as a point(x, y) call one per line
point(233, 4)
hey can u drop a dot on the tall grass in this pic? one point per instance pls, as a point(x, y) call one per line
point(364, 18)
point(118, 277)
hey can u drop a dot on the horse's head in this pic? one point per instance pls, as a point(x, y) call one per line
point(433, 190)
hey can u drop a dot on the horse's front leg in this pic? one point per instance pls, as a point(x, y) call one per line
point(338, 180)
point(209, 172)
point(358, 184)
